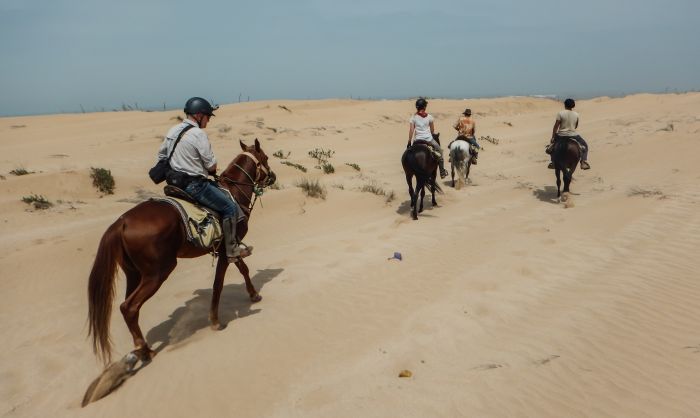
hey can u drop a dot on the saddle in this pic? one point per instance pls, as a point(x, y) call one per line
point(549, 149)
point(429, 147)
point(202, 225)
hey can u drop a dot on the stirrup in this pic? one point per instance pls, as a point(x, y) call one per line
point(241, 251)
point(551, 166)
point(585, 165)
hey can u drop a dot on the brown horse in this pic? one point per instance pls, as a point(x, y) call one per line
point(146, 242)
point(419, 161)
point(566, 156)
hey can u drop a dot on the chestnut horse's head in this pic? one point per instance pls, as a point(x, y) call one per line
point(264, 176)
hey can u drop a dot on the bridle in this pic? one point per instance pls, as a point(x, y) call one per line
point(256, 183)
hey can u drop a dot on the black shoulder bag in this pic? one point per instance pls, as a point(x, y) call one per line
point(160, 170)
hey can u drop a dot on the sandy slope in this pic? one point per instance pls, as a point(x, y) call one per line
point(505, 304)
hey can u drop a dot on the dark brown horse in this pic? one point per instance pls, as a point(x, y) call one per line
point(146, 242)
point(419, 161)
point(566, 156)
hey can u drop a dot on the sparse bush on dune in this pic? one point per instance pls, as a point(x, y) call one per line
point(102, 179)
point(321, 155)
point(312, 188)
point(638, 191)
point(353, 165)
point(374, 188)
point(38, 201)
point(20, 171)
point(280, 154)
point(327, 168)
point(488, 138)
point(224, 128)
point(295, 165)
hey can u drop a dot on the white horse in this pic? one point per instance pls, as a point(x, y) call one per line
point(461, 159)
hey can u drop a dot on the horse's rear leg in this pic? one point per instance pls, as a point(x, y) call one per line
point(567, 180)
point(557, 172)
point(133, 276)
point(411, 192)
point(422, 195)
point(432, 188)
point(452, 166)
point(149, 285)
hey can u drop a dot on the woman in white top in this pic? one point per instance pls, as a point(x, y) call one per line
point(422, 129)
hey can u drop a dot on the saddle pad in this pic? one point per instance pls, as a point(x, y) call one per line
point(202, 227)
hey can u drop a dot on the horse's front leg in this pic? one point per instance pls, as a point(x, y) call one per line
point(469, 165)
point(221, 266)
point(452, 167)
point(432, 188)
point(252, 293)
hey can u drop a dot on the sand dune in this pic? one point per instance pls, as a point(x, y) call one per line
point(505, 303)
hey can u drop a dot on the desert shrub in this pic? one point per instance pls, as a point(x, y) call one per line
point(224, 129)
point(312, 188)
point(102, 179)
point(295, 165)
point(488, 138)
point(280, 154)
point(20, 171)
point(327, 168)
point(374, 188)
point(638, 191)
point(321, 155)
point(353, 165)
point(38, 201)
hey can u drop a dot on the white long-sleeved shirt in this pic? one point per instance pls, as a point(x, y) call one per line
point(193, 154)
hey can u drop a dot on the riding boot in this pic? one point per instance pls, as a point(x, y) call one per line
point(234, 248)
point(443, 172)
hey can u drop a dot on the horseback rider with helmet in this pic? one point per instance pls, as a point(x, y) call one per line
point(564, 129)
point(192, 161)
point(422, 129)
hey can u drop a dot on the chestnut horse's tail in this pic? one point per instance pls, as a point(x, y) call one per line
point(101, 289)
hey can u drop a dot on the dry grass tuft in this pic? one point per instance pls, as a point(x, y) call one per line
point(38, 201)
point(312, 188)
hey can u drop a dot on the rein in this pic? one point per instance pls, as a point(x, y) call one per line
point(257, 188)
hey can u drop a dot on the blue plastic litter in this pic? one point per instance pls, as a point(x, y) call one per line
point(397, 255)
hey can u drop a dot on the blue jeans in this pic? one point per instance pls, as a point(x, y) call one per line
point(214, 198)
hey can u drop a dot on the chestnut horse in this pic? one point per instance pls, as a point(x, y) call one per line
point(146, 242)
point(566, 156)
point(419, 161)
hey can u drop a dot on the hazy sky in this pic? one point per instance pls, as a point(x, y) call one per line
point(59, 55)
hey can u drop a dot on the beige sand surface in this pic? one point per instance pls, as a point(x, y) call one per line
point(506, 304)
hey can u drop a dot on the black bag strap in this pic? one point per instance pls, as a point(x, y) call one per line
point(179, 137)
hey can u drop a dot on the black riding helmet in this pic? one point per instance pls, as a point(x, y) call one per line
point(198, 105)
point(421, 103)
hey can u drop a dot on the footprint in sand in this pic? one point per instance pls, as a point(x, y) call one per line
point(546, 360)
point(488, 366)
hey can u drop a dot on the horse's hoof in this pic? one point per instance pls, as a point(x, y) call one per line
point(216, 326)
point(255, 298)
point(145, 354)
